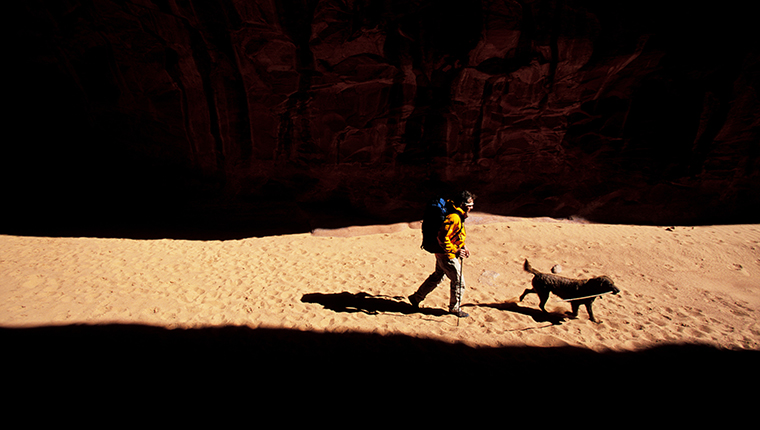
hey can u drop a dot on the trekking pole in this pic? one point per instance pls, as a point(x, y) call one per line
point(461, 269)
point(461, 290)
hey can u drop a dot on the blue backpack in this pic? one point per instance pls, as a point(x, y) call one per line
point(435, 213)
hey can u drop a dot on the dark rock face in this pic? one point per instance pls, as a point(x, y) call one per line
point(273, 116)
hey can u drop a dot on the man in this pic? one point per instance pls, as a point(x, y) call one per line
point(451, 237)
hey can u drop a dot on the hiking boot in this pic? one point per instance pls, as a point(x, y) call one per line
point(414, 301)
point(460, 313)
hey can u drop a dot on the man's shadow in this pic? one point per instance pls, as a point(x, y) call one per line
point(367, 303)
point(537, 314)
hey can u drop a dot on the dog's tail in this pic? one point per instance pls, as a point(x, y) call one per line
point(528, 268)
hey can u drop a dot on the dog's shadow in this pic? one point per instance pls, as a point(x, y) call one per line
point(537, 314)
point(367, 303)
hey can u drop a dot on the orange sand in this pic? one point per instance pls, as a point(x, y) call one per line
point(678, 285)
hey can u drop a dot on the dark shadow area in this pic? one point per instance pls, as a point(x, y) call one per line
point(349, 373)
point(367, 303)
point(535, 313)
point(39, 217)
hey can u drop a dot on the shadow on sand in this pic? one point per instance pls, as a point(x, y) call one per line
point(535, 313)
point(367, 303)
point(373, 305)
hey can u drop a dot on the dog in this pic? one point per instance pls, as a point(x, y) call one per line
point(584, 290)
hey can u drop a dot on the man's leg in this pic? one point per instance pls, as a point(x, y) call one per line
point(429, 285)
point(453, 270)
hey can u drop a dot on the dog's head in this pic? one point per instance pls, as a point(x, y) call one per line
point(602, 285)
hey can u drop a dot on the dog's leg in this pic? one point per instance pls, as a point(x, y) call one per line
point(590, 312)
point(575, 306)
point(543, 299)
point(526, 292)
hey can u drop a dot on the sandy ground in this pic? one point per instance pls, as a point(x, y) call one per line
point(680, 284)
point(302, 300)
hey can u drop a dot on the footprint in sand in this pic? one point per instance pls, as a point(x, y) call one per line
point(741, 269)
point(33, 281)
point(193, 294)
point(488, 278)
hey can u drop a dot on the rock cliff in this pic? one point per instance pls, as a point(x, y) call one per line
point(286, 115)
